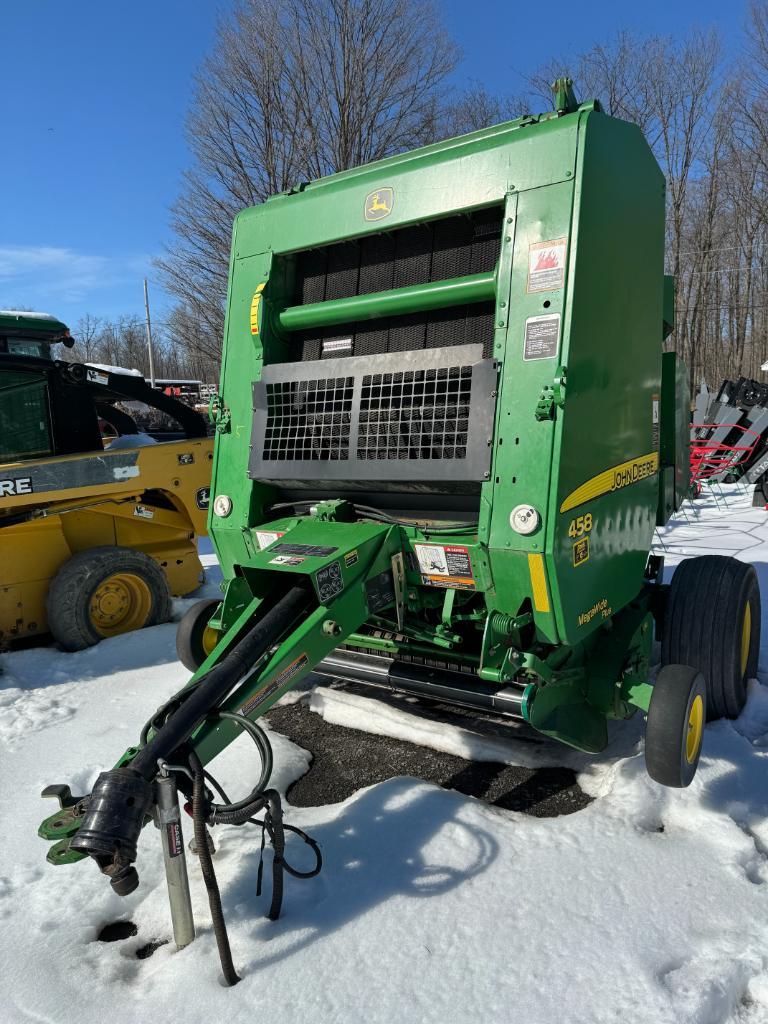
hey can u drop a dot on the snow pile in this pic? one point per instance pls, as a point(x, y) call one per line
point(648, 906)
point(28, 314)
point(521, 746)
point(115, 369)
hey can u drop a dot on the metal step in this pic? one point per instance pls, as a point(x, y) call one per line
point(460, 688)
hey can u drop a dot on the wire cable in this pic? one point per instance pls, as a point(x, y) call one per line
point(379, 515)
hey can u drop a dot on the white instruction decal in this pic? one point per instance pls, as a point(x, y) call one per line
point(445, 565)
point(542, 334)
point(286, 560)
point(266, 537)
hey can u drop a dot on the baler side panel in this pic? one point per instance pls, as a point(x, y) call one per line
point(607, 434)
point(523, 443)
point(241, 364)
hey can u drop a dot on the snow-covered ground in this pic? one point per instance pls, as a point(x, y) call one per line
point(647, 906)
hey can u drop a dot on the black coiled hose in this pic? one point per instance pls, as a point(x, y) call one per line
point(205, 812)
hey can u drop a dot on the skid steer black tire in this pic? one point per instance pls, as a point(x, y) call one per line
point(712, 623)
point(84, 598)
point(193, 638)
point(675, 725)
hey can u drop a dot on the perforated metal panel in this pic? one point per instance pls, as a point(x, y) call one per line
point(308, 419)
point(435, 251)
point(414, 416)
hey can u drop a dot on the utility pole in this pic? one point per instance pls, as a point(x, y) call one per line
point(149, 337)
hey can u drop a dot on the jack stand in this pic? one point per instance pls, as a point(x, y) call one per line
point(168, 820)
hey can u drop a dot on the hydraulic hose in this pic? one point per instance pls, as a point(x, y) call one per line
point(213, 687)
point(264, 748)
point(231, 976)
point(204, 813)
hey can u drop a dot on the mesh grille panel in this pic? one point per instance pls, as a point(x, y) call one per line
point(415, 414)
point(416, 420)
point(437, 251)
point(308, 419)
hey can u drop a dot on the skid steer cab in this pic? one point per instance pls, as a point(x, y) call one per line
point(446, 434)
point(98, 518)
point(31, 334)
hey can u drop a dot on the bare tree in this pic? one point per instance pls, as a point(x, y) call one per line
point(293, 91)
point(86, 334)
point(477, 108)
point(122, 342)
point(615, 72)
point(668, 87)
point(309, 87)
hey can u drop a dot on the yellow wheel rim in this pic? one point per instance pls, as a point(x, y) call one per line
point(119, 604)
point(746, 637)
point(695, 729)
point(210, 639)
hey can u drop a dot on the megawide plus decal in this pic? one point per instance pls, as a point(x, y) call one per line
point(613, 479)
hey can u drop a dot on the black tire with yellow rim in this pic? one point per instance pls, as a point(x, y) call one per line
point(195, 637)
point(712, 623)
point(103, 592)
point(675, 725)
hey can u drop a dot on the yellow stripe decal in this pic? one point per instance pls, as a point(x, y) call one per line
point(255, 301)
point(613, 479)
point(538, 583)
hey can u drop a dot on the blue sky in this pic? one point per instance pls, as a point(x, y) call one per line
point(92, 110)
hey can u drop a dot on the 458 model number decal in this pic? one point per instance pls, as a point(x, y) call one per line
point(580, 525)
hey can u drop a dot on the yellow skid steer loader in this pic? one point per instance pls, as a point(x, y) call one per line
point(98, 521)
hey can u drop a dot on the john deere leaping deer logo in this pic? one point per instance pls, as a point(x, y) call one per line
point(378, 204)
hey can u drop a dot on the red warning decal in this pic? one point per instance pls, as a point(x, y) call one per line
point(546, 265)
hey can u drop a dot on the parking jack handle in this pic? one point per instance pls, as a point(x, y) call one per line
point(174, 856)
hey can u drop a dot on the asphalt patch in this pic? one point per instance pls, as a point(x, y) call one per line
point(116, 931)
point(346, 760)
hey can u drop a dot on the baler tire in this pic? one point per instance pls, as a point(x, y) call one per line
point(712, 623)
point(192, 642)
point(74, 588)
point(675, 725)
